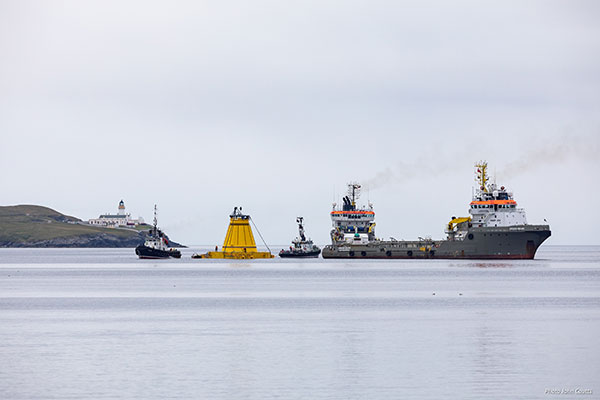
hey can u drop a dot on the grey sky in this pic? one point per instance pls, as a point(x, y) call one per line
point(272, 105)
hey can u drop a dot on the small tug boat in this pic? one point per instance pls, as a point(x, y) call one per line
point(239, 241)
point(157, 244)
point(302, 247)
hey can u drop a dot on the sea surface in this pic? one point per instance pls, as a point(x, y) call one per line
point(101, 324)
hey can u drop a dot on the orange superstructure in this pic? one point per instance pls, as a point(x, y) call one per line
point(492, 205)
point(494, 202)
point(350, 222)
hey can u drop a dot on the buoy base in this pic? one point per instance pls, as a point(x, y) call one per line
point(234, 255)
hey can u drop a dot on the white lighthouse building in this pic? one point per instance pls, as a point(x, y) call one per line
point(121, 218)
point(121, 208)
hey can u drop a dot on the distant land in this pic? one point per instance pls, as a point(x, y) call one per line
point(38, 226)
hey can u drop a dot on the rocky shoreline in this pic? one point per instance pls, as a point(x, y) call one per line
point(41, 227)
point(91, 240)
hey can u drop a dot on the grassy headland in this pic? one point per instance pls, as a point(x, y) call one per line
point(37, 226)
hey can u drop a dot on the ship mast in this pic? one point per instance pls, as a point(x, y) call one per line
point(354, 192)
point(481, 175)
point(155, 221)
point(301, 229)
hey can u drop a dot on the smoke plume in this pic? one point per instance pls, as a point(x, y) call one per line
point(423, 168)
point(564, 149)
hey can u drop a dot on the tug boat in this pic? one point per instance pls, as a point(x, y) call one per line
point(302, 247)
point(239, 241)
point(495, 229)
point(157, 244)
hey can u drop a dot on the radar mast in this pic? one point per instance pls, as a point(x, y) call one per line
point(354, 192)
point(155, 221)
point(481, 175)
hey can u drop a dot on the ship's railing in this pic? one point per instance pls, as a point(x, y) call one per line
point(362, 208)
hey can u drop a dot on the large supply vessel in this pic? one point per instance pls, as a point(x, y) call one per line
point(495, 229)
point(157, 244)
point(239, 241)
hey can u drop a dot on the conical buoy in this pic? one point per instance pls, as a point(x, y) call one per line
point(239, 241)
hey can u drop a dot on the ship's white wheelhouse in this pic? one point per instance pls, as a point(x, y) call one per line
point(488, 217)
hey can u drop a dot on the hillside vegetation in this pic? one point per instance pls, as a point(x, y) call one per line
point(37, 226)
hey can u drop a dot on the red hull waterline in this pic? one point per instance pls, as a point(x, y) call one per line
point(442, 257)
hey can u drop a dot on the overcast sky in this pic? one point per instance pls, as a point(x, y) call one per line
point(276, 105)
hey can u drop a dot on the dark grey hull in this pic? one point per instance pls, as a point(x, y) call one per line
point(514, 242)
point(145, 252)
point(299, 254)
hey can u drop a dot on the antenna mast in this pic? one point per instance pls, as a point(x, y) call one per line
point(155, 222)
point(354, 192)
point(481, 175)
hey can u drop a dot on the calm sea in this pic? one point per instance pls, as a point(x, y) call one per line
point(101, 324)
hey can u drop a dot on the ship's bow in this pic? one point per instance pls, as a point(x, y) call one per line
point(537, 234)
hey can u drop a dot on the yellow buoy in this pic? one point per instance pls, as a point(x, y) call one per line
point(239, 241)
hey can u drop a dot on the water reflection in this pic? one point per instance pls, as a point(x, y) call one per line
point(373, 331)
point(494, 360)
point(483, 264)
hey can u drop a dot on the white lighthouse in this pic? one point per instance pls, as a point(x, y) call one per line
point(121, 208)
point(121, 218)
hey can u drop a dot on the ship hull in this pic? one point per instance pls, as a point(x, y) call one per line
point(300, 254)
point(497, 243)
point(146, 252)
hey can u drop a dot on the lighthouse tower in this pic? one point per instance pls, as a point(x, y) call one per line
point(121, 208)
